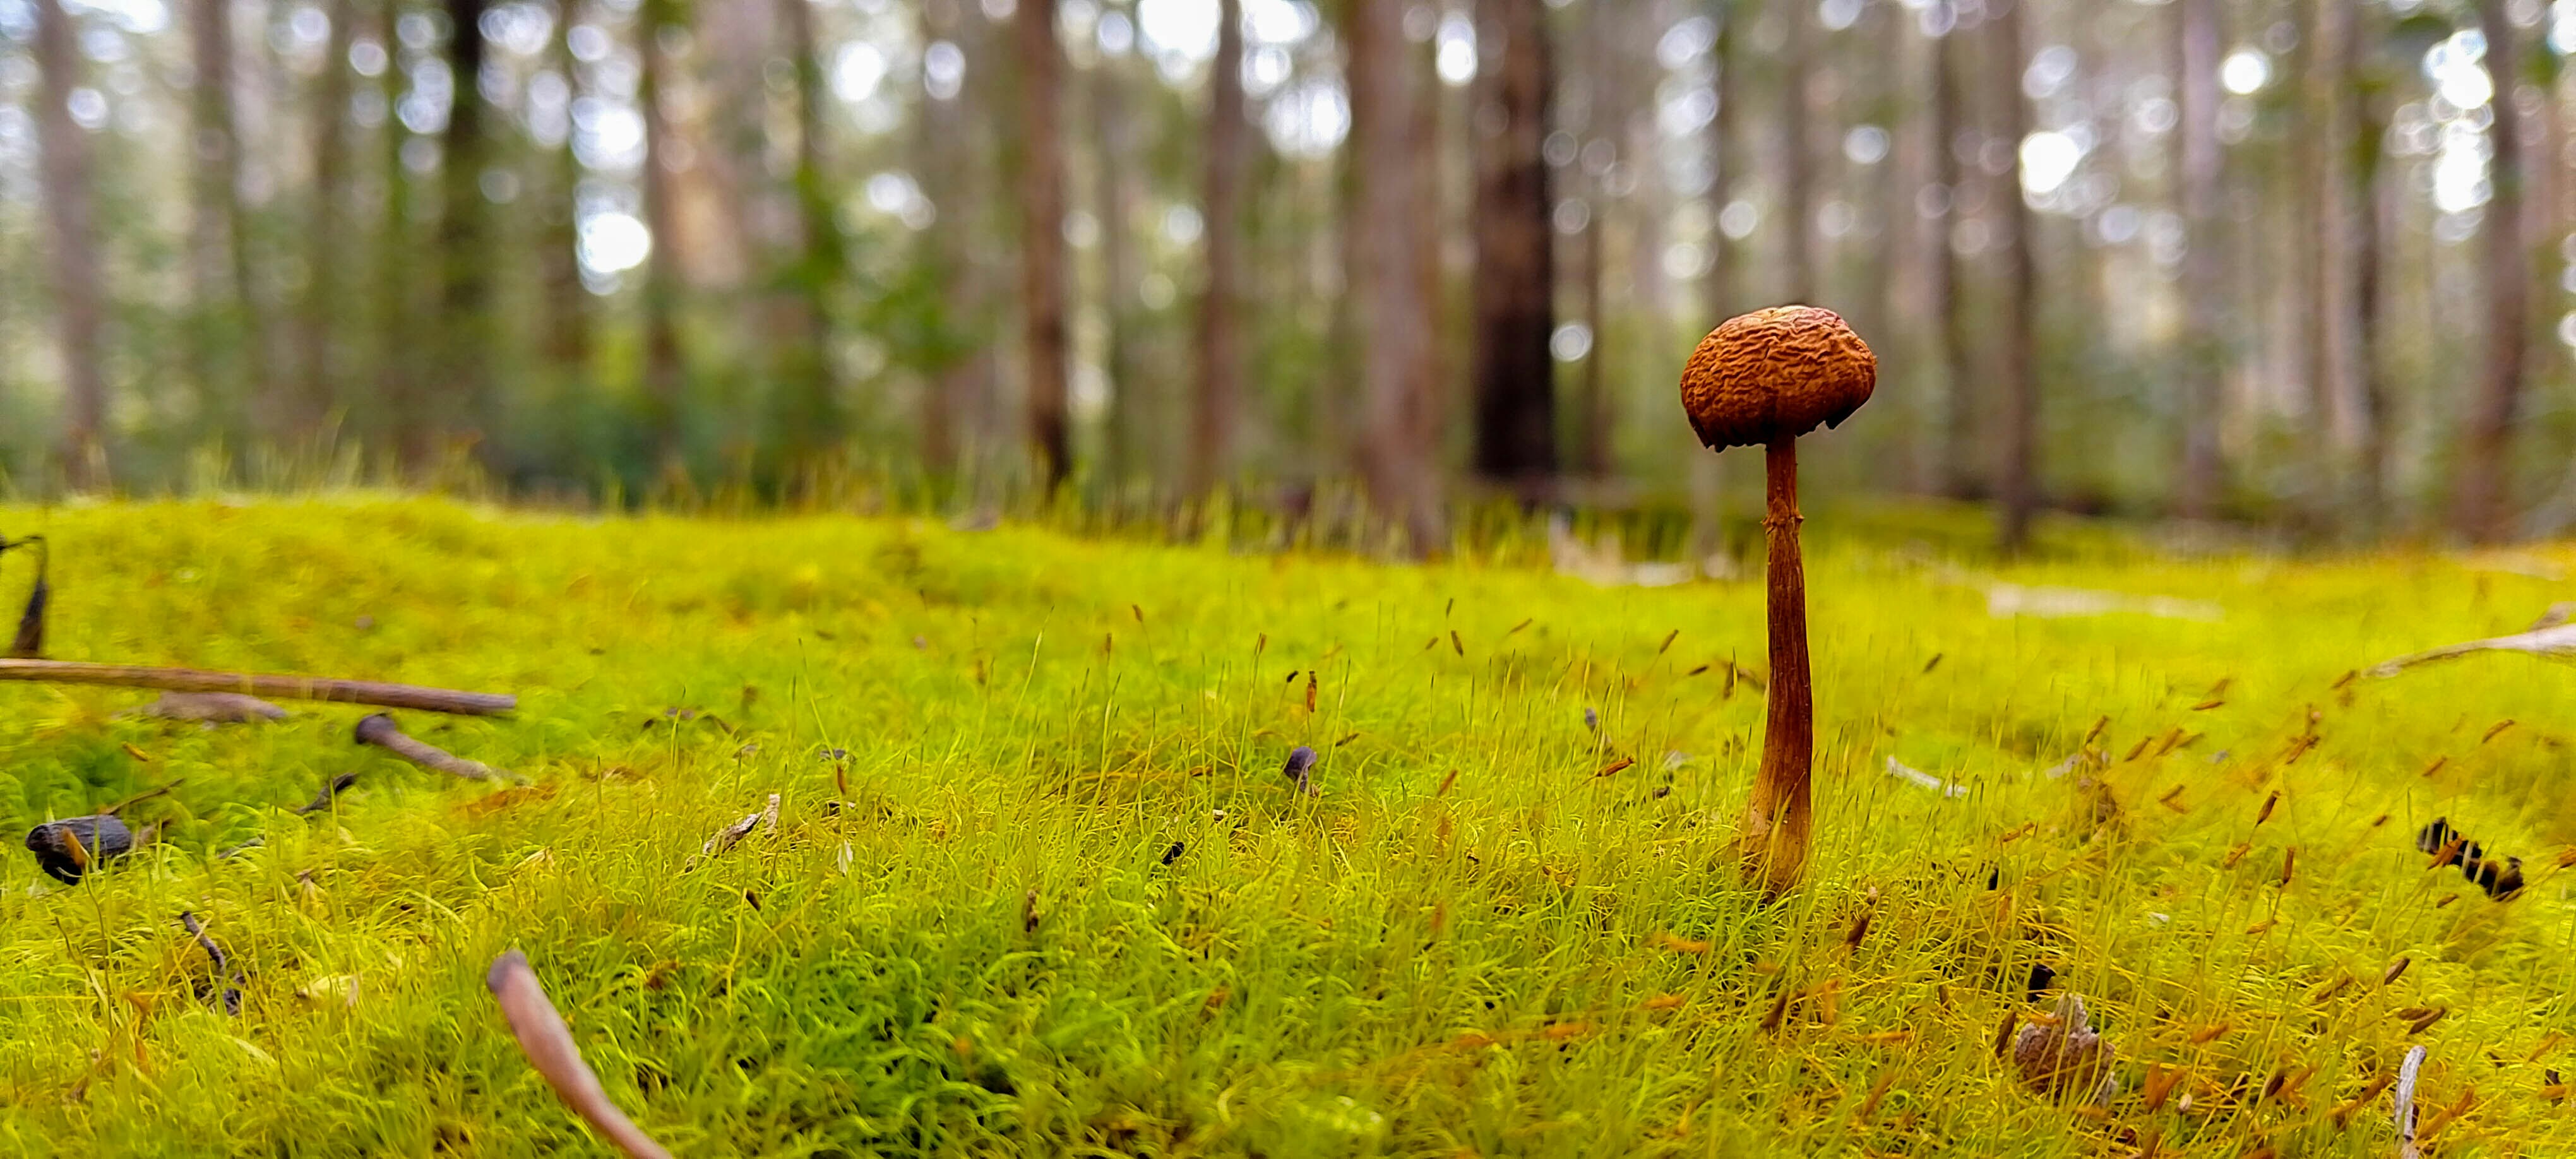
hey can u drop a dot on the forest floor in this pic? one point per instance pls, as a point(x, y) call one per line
point(1039, 885)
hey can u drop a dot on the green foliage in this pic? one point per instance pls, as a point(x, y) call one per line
point(1470, 942)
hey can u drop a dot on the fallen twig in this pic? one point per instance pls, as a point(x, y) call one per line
point(2552, 636)
point(30, 641)
point(1916, 776)
point(330, 792)
point(548, 1043)
point(378, 729)
point(68, 849)
point(226, 982)
point(2406, 1103)
point(731, 835)
point(145, 795)
point(283, 687)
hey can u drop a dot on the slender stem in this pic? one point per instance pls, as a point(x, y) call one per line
point(254, 684)
point(1776, 823)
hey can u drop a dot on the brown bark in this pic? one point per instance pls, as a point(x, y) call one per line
point(1515, 284)
point(662, 370)
point(2483, 505)
point(1114, 169)
point(69, 208)
point(1220, 356)
point(813, 420)
point(2017, 476)
point(464, 238)
point(396, 353)
point(1390, 312)
point(1961, 477)
point(2203, 262)
point(318, 366)
point(2368, 121)
point(1778, 818)
point(1044, 338)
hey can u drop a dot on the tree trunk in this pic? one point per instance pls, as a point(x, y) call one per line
point(404, 414)
point(1719, 291)
point(2483, 506)
point(813, 419)
point(1042, 293)
point(2365, 153)
point(1113, 130)
point(2203, 263)
point(464, 240)
point(567, 302)
point(1391, 314)
point(1515, 284)
point(315, 388)
point(226, 354)
point(1961, 461)
point(953, 396)
point(1220, 357)
point(662, 370)
point(1797, 153)
point(2017, 482)
point(68, 194)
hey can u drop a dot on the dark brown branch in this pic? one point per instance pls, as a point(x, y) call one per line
point(279, 686)
point(379, 730)
point(548, 1043)
point(225, 979)
point(330, 793)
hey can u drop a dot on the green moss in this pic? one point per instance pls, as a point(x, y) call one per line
point(1510, 966)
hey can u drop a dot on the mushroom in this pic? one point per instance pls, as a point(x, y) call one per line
point(1766, 378)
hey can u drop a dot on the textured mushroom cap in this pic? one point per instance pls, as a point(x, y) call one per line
point(1775, 374)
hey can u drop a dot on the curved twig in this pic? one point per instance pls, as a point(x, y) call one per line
point(548, 1043)
point(378, 729)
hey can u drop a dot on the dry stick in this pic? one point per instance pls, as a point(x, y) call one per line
point(224, 977)
point(283, 687)
point(2549, 640)
point(379, 730)
point(549, 1046)
point(330, 793)
point(727, 837)
point(2406, 1103)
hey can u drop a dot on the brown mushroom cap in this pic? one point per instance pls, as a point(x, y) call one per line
point(1775, 374)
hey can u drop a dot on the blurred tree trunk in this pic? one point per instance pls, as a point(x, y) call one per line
point(2483, 506)
point(1797, 151)
point(1042, 291)
point(662, 370)
point(1961, 458)
point(225, 357)
point(1114, 174)
point(814, 420)
point(945, 147)
point(1220, 355)
point(1390, 312)
point(2016, 482)
point(69, 206)
point(567, 302)
point(2366, 118)
point(404, 416)
point(313, 397)
point(464, 241)
point(2203, 262)
point(1718, 285)
point(1515, 282)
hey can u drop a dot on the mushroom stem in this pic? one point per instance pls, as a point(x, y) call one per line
point(1775, 822)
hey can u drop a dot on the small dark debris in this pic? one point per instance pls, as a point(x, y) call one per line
point(1174, 853)
point(71, 847)
point(2042, 977)
point(1301, 764)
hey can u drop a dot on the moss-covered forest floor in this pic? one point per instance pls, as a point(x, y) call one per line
point(1040, 887)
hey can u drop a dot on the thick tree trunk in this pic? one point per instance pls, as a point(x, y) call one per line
point(567, 341)
point(2483, 504)
point(68, 193)
point(464, 240)
point(1515, 282)
point(1961, 474)
point(1220, 355)
point(1390, 312)
point(2017, 480)
point(1042, 293)
point(2371, 213)
point(2203, 262)
point(405, 414)
point(953, 399)
point(318, 367)
point(1718, 286)
point(662, 370)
